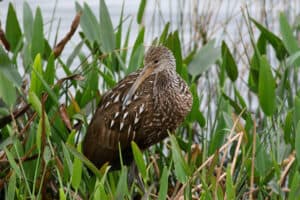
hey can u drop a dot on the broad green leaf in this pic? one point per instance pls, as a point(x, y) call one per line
point(138, 157)
point(122, 188)
point(230, 189)
point(137, 52)
point(8, 69)
point(288, 39)
point(35, 83)
point(7, 91)
point(81, 157)
point(204, 58)
point(195, 114)
point(182, 170)
point(274, 40)
point(62, 195)
point(229, 63)
point(89, 25)
point(47, 154)
point(136, 59)
point(35, 102)
point(37, 44)
point(164, 33)
point(12, 162)
point(120, 28)
point(296, 117)
point(77, 171)
point(297, 142)
point(100, 192)
point(13, 31)
point(295, 186)
point(108, 42)
point(45, 86)
point(74, 53)
point(50, 70)
point(12, 186)
point(27, 21)
point(141, 11)
point(163, 184)
point(293, 59)
point(266, 87)
point(288, 127)
point(262, 161)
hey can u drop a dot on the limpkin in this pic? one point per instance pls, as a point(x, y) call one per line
point(142, 107)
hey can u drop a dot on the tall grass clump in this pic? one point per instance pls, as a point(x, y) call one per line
point(240, 141)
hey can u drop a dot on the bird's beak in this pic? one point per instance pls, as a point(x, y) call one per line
point(147, 71)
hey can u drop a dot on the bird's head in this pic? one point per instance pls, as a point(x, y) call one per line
point(157, 59)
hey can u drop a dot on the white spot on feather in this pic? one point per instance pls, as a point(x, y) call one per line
point(121, 125)
point(141, 109)
point(125, 115)
point(117, 98)
point(112, 123)
point(116, 115)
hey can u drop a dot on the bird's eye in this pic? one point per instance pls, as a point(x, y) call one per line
point(155, 61)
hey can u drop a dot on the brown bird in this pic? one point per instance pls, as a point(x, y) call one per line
point(142, 107)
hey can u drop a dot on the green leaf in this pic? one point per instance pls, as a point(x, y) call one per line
point(297, 142)
point(182, 170)
point(138, 157)
point(62, 195)
point(229, 63)
point(13, 31)
point(274, 40)
point(7, 141)
point(266, 87)
point(77, 171)
point(35, 102)
point(7, 91)
point(296, 117)
point(288, 127)
point(289, 41)
point(12, 186)
point(74, 53)
point(27, 21)
point(122, 188)
point(205, 57)
point(8, 69)
point(230, 189)
point(295, 187)
point(137, 52)
point(108, 42)
point(35, 83)
point(89, 25)
point(195, 114)
point(86, 161)
point(163, 184)
point(50, 70)
point(293, 59)
point(262, 162)
point(37, 44)
point(136, 59)
point(12, 162)
point(141, 11)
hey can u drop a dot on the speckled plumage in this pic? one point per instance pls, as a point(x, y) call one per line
point(141, 107)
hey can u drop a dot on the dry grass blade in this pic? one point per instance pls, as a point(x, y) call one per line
point(208, 160)
point(61, 45)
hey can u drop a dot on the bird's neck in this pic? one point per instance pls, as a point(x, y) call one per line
point(165, 80)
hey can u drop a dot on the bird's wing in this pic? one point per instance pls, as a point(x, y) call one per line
point(114, 123)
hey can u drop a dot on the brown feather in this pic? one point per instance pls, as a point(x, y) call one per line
point(155, 107)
